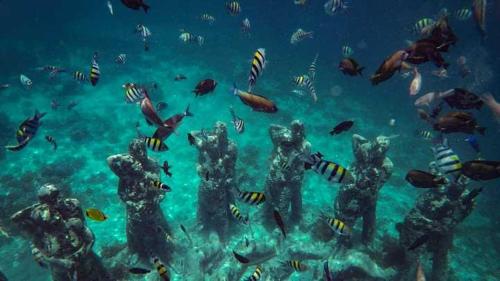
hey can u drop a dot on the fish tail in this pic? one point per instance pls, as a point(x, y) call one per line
point(187, 112)
point(39, 115)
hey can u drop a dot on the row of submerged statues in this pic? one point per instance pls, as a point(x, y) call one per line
point(62, 242)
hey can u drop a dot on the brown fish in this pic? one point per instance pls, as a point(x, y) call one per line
point(279, 221)
point(479, 12)
point(204, 87)
point(458, 122)
point(421, 179)
point(443, 35)
point(481, 170)
point(390, 65)
point(350, 67)
point(149, 112)
point(425, 50)
point(256, 102)
point(136, 4)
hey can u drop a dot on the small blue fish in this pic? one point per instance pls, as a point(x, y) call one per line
point(473, 142)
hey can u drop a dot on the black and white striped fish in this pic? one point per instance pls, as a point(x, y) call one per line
point(338, 226)
point(79, 76)
point(334, 6)
point(312, 68)
point(121, 59)
point(155, 144)
point(251, 197)
point(237, 214)
point(145, 33)
point(245, 25)
point(162, 186)
point(295, 265)
point(29, 127)
point(300, 35)
point(133, 93)
point(447, 161)
point(95, 72)
point(256, 275)
point(52, 141)
point(331, 171)
point(347, 51)
point(258, 65)
point(238, 123)
point(233, 8)
point(463, 14)
point(208, 18)
point(304, 81)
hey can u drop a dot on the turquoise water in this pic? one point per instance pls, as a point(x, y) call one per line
point(67, 33)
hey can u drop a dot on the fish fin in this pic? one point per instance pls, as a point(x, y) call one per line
point(39, 115)
point(187, 112)
point(234, 89)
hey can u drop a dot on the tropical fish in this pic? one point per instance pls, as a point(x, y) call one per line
point(136, 4)
point(155, 144)
point(343, 126)
point(159, 185)
point(427, 135)
point(347, 51)
point(423, 26)
point(422, 179)
point(25, 81)
point(237, 214)
point(463, 14)
point(329, 170)
point(440, 73)
point(238, 123)
point(390, 65)
point(149, 112)
point(334, 6)
point(251, 197)
point(473, 142)
point(481, 170)
point(171, 124)
point(458, 122)
point(256, 274)
point(233, 8)
point(258, 65)
point(350, 67)
point(161, 269)
point(312, 68)
point(245, 26)
point(279, 221)
point(479, 12)
point(95, 214)
point(29, 127)
point(416, 83)
point(95, 72)
point(240, 258)
point(52, 141)
point(447, 161)
point(145, 34)
point(299, 35)
point(121, 59)
point(462, 99)
point(207, 18)
point(338, 226)
point(110, 7)
point(133, 94)
point(256, 102)
point(187, 37)
point(306, 82)
point(187, 234)
point(166, 169)
point(296, 265)
point(139, 270)
point(79, 76)
point(204, 87)
point(419, 242)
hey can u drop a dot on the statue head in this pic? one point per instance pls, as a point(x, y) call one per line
point(48, 194)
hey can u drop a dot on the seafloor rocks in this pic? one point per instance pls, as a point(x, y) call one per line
point(286, 173)
point(146, 224)
point(56, 228)
point(436, 214)
point(371, 169)
point(216, 168)
point(356, 265)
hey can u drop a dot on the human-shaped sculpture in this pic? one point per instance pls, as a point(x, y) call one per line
point(56, 228)
point(146, 224)
point(286, 173)
point(371, 169)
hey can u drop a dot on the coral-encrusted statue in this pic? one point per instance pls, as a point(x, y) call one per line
point(284, 181)
point(371, 169)
point(146, 224)
point(60, 239)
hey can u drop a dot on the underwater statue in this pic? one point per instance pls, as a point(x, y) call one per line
point(216, 168)
point(430, 225)
point(60, 240)
point(371, 169)
point(286, 172)
point(146, 224)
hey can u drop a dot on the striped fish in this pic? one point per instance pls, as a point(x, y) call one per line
point(161, 269)
point(258, 65)
point(338, 226)
point(329, 170)
point(312, 68)
point(95, 72)
point(155, 144)
point(160, 185)
point(233, 7)
point(251, 197)
point(38, 257)
point(79, 76)
point(133, 94)
point(238, 123)
point(463, 14)
point(427, 135)
point(121, 59)
point(237, 214)
point(447, 161)
point(245, 25)
point(29, 127)
point(256, 275)
point(52, 141)
point(208, 18)
point(305, 82)
point(296, 265)
point(423, 26)
point(334, 6)
point(347, 51)
point(300, 35)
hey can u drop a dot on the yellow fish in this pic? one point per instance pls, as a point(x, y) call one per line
point(95, 214)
